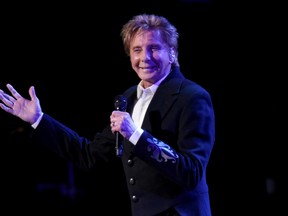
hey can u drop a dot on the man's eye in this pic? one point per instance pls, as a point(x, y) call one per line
point(155, 48)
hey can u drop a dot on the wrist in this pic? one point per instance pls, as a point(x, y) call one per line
point(36, 119)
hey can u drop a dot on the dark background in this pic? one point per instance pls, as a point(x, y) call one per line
point(72, 53)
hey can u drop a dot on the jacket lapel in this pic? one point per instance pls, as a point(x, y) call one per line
point(164, 98)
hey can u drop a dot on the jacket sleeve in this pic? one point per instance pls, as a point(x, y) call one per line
point(58, 138)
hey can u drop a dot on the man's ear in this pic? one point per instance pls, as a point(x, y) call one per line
point(171, 55)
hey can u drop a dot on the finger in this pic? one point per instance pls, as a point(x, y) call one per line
point(7, 99)
point(13, 91)
point(113, 124)
point(3, 106)
point(7, 109)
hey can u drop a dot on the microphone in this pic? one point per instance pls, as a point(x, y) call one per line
point(119, 104)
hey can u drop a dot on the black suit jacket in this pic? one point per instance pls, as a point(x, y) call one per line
point(167, 167)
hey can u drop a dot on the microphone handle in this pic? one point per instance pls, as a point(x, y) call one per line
point(120, 104)
point(118, 146)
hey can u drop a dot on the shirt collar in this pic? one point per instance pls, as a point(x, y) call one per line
point(151, 89)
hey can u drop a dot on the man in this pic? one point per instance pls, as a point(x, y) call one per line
point(167, 126)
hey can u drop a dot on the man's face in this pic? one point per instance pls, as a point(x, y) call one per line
point(149, 56)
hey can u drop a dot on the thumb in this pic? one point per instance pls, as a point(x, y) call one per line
point(32, 93)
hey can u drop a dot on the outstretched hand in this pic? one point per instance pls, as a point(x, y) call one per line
point(15, 104)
